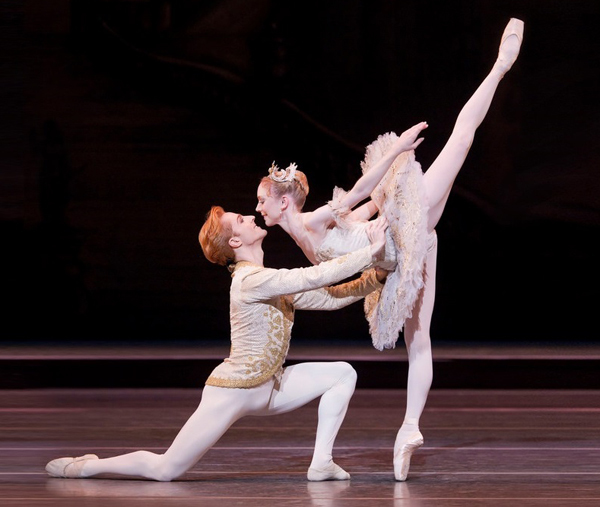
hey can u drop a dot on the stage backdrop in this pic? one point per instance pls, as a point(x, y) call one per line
point(124, 121)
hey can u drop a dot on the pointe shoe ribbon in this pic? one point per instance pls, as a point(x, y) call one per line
point(69, 468)
point(332, 472)
point(403, 454)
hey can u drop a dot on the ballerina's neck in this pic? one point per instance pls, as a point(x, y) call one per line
point(307, 239)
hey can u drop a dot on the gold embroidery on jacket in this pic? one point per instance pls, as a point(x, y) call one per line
point(358, 287)
point(270, 361)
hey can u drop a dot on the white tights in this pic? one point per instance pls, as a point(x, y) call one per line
point(438, 181)
point(220, 407)
point(440, 176)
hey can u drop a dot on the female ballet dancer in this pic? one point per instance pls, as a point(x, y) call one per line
point(252, 381)
point(413, 203)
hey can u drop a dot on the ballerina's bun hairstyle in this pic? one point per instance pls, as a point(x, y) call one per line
point(289, 181)
point(214, 238)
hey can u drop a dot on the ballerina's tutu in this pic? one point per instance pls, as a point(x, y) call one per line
point(400, 198)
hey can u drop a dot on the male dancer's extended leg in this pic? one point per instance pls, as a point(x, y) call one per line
point(302, 383)
point(218, 410)
point(439, 178)
point(420, 368)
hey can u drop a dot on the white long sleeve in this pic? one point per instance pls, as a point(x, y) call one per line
point(263, 283)
point(262, 313)
point(338, 296)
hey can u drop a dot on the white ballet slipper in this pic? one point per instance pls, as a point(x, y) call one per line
point(69, 468)
point(332, 472)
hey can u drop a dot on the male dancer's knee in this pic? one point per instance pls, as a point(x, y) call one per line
point(347, 374)
point(335, 400)
point(165, 470)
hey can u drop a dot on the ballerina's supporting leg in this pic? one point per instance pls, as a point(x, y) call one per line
point(420, 369)
point(439, 178)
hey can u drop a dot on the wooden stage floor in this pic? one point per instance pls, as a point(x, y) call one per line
point(482, 447)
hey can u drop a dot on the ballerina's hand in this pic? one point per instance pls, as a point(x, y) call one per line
point(376, 234)
point(409, 139)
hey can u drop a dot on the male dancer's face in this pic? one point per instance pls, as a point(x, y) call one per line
point(243, 228)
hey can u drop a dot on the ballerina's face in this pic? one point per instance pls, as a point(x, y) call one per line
point(268, 205)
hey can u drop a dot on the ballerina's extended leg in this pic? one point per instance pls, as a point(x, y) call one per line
point(510, 45)
point(439, 178)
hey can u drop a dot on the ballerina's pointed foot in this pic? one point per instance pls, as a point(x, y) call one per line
point(403, 452)
point(510, 44)
point(69, 468)
point(332, 472)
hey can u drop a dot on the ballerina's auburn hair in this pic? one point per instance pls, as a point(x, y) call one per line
point(288, 181)
point(214, 238)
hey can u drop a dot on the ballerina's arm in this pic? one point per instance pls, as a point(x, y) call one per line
point(364, 212)
point(322, 218)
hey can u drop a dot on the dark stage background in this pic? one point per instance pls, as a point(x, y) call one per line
point(123, 121)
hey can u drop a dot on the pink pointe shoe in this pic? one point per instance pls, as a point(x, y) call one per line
point(403, 452)
point(69, 468)
point(510, 44)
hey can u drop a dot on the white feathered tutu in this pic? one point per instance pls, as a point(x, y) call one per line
point(401, 199)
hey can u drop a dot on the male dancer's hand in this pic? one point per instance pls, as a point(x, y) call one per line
point(381, 274)
point(376, 234)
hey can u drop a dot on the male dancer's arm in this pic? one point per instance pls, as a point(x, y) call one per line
point(264, 283)
point(338, 296)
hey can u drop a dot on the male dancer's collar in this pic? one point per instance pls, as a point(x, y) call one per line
point(234, 266)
